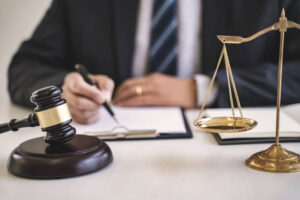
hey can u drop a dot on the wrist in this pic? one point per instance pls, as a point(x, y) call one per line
point(202, 85)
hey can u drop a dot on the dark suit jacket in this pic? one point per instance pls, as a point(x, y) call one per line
point(100, 34)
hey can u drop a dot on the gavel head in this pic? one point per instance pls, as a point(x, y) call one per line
point(53, 115)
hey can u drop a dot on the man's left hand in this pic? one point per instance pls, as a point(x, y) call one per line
point(157, 90)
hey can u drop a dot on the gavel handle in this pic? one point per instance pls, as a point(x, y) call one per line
point(14, 124)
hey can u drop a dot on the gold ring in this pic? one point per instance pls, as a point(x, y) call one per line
point(139, 90)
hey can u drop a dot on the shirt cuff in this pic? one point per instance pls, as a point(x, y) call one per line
point(202, 82)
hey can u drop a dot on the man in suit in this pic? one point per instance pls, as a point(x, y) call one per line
point(159, 52)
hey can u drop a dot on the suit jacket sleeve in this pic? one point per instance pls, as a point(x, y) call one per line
point(257, 85)
point(42, 60)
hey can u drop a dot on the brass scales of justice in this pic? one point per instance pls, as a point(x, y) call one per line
point(275, 158)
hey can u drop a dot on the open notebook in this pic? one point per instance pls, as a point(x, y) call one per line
point(265, 129)
point(138, 123)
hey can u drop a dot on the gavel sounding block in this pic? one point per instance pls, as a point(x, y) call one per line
point(81, 155)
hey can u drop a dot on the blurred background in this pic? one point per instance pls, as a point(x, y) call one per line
point(18, 19)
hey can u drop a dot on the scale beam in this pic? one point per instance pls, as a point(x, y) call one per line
point(281, 25)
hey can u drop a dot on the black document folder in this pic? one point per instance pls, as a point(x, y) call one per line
point(253, 140)
point(264, 132)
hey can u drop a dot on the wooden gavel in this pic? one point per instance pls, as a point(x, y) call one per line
point(51, 113)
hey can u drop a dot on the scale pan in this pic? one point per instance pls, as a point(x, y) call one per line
point(226, 124)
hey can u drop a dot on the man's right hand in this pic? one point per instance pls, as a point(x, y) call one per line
point(83, 99)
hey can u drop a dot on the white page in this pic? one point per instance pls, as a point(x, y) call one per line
point(293, 111)
point(266, 119)
point(162, 119)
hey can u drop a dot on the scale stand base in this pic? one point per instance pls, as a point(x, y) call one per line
point(38, 160)
point(275, 159)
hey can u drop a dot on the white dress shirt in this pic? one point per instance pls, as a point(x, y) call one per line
point(189, 37)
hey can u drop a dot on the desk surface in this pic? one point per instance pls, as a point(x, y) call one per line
point(196, 168)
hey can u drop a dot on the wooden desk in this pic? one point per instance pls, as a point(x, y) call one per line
point(187, 169)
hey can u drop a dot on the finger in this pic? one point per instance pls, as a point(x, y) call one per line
point(80, 102)
point(143, 100)
point(130, 92)
point(130, 83)
point(129, 89)
point(84, 116)
point(77, 85)
point(125, 93)
point(87, 121)
point(83, 113)
point(105, 84)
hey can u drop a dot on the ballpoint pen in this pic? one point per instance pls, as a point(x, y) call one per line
point(83, 72)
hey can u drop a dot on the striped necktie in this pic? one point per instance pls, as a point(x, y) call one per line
point(163, 47)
